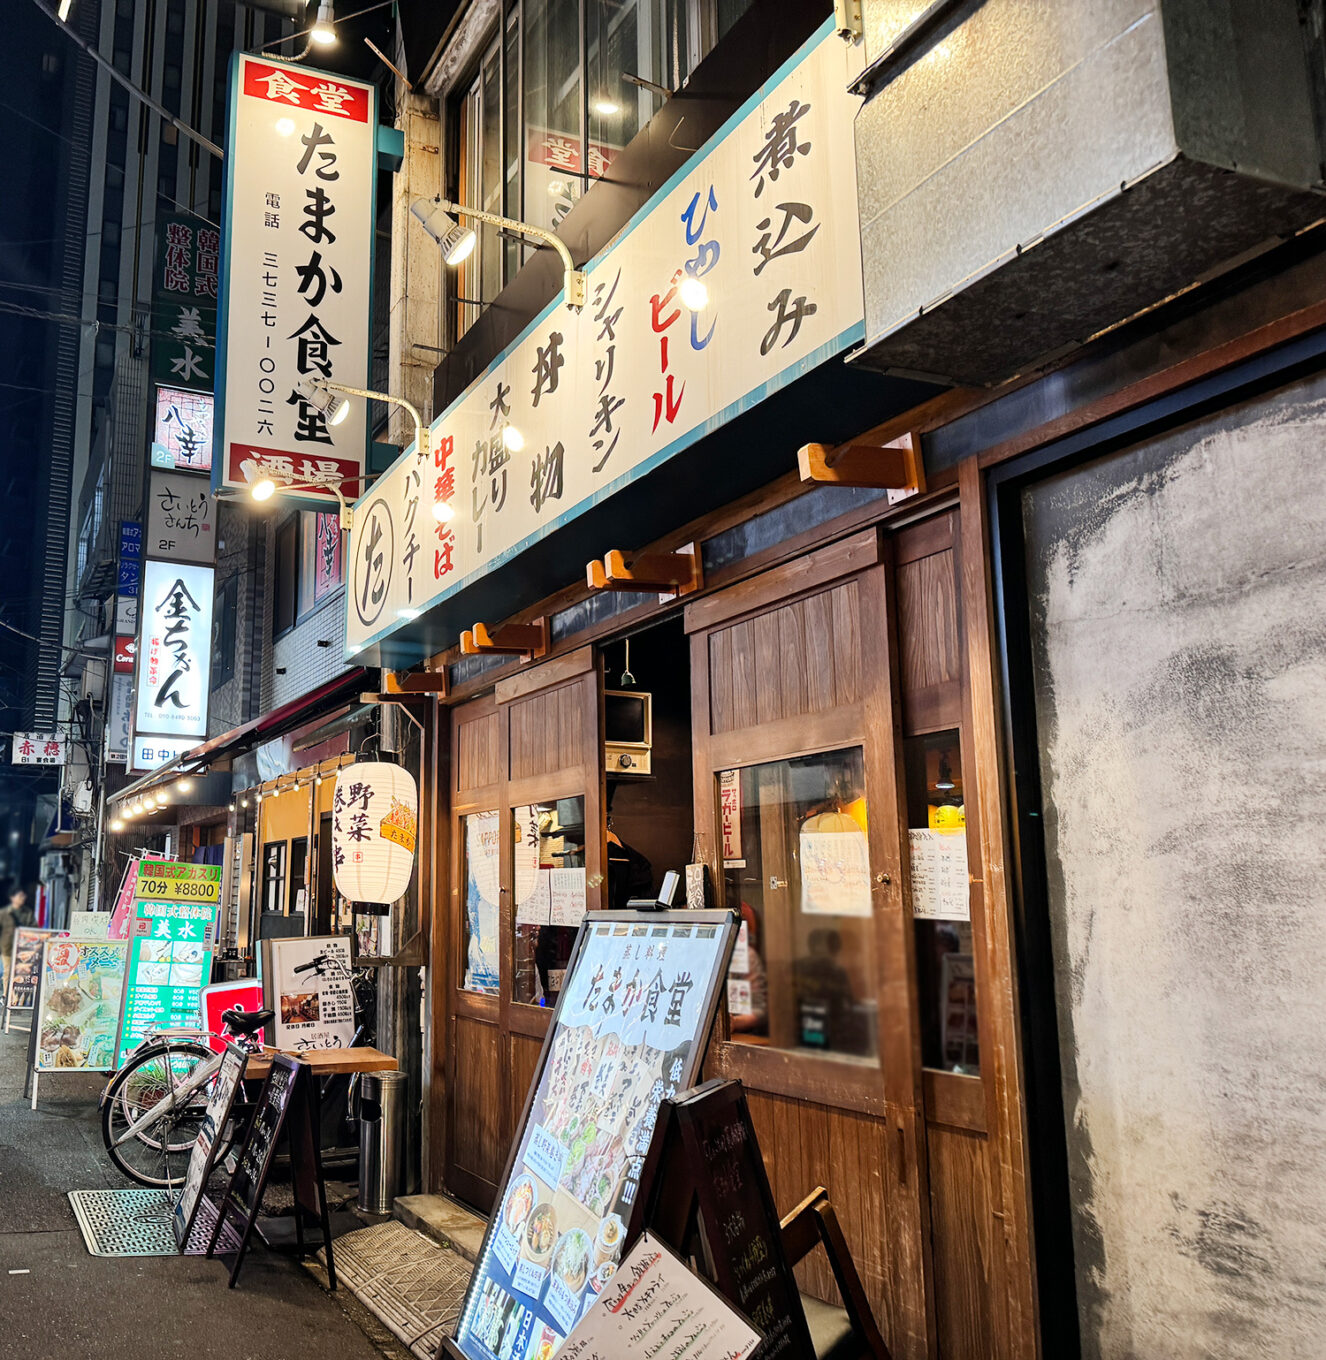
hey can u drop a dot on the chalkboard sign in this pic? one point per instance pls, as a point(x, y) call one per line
point(288, 1104)
point(705, 1192)
point(202, 1160)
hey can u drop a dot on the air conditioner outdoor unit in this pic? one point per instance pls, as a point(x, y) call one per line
point(1031, 174)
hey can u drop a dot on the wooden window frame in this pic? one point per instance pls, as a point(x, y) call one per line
point(874, 725)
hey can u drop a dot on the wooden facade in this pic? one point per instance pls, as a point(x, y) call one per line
point(862, 640)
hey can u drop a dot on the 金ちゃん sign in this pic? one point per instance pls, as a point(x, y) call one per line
point(296, 271)
point(174, 650)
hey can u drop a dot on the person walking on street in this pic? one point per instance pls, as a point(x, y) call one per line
point(11, 917)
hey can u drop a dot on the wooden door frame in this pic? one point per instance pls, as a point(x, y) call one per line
point(894, 1092)
point(449, 1001)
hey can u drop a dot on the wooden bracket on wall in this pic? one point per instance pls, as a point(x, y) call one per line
point(896, 465)
point(675, 573)
point(417, 682)
point(511, 639)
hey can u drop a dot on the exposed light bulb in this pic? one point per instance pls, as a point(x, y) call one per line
point(263, 490)
point(443, 512)
point(513, 439)
point(324, 28)
point(117, 824)
point(185, 785)
point(340, 413)
point(694, 294)
point(607, 107)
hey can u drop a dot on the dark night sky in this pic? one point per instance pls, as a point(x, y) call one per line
point(34, 66)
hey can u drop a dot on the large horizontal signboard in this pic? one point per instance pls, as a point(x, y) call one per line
point(297, 271)
point(764, 219)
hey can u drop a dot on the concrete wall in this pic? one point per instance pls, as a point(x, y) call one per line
point(1179, 624)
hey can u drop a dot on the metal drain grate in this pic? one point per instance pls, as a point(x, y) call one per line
point(414, 1285)
point(137, 1223)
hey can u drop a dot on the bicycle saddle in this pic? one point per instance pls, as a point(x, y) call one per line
point(247, 1022)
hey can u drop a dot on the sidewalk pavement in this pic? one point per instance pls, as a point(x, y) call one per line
point(57, 1301)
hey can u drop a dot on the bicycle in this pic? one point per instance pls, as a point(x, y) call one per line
point(153, 1107)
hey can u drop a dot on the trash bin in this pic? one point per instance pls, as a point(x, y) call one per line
point(382, 1097)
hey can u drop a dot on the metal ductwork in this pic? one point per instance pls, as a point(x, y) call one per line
point(1030, 174)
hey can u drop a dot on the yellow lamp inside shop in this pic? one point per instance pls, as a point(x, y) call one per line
point(375, 826)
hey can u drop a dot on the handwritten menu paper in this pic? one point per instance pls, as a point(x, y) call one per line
point(940, 885)
point(533, 910)
point(566, 888)
point(654, 1305)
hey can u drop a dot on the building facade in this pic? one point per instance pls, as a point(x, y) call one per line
point(912, 542)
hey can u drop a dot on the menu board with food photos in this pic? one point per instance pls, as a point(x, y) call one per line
point(24, 969)
point(170, 962)
point(78, 1008)
point(630, 1029)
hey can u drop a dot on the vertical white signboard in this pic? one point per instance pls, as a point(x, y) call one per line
point(174, 650)
point(296, 273)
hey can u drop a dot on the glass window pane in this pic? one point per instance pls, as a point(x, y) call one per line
point(941, 902)
point(803, 973)
point(622, 39)
point(490, 174)
point(471, 191)
point(308, 556)
point(550, 837)
point(511, 152)
point(481, 872)
point(553, 160)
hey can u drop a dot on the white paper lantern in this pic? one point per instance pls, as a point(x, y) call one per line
point(375, 823)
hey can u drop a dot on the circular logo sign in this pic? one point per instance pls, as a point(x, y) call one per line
point(375, 552)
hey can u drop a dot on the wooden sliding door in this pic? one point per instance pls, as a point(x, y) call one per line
point(527, 799)
point(797, 770)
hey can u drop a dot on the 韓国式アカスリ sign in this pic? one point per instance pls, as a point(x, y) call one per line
point(763, 216)
point(164, 880)
point(296, 272)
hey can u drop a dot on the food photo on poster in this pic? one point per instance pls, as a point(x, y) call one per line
point(307, 982)
point(78, 1008)
point(630, 1028)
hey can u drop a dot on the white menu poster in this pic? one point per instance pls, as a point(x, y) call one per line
point(940, 885)
point(652, 1298)
point(631, 1025)
point(307, 983)
point(566, 891)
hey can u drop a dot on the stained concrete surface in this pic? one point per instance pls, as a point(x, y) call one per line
point(1179, 615)
point(73, 1304)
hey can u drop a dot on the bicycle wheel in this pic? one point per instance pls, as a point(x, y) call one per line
point(158, 1154)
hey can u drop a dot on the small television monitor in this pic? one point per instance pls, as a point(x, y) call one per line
point(628, 731)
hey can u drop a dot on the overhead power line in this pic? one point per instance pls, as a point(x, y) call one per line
point(159, 109)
